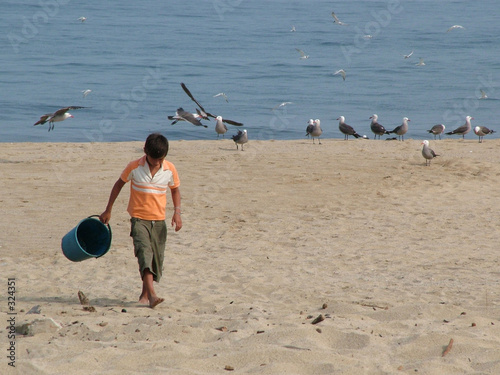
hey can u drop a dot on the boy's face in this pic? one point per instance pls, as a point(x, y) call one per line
point(155, 162)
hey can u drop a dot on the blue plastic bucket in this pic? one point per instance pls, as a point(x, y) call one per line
point(89, 239)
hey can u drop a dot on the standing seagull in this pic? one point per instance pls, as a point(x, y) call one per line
point(240, 138)
point(220, 127)
point(427, 152)
point(437, 130)
point(377, 128)
point(401, 129)
point(481, 131)
point(464, 129)
point(347, 130)
point(59, 115)
point(314, 130)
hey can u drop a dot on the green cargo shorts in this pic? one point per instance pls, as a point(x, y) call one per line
point(149, 239)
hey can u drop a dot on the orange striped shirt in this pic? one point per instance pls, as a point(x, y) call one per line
point(148, 194)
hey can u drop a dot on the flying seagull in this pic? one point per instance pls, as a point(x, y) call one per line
point(427, 152)
point(86, 92)
point(280, 105)
point(292, 29)
point(240, 138)
point(59, 115)
point(408, 56)
point(201, 111)
point(302, 54)
point(337, 21)
point(437, 130)
point(481, 131)
point(182, 115)
point(483, 94)
point(455, 27)
point(82, 19)
point(221, 94)
point(421, 62)
point(347, 130)
point(341, 72)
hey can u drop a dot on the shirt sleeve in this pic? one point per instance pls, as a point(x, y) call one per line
point(126, 175)
point(174, 180)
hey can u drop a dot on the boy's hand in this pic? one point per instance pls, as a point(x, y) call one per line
point(105, 217)
point(177, 221)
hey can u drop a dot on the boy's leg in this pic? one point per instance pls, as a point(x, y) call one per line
point(148, 295)
point(149, 245)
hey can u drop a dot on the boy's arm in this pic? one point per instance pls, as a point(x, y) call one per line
point(115, 191)
point(176, 217)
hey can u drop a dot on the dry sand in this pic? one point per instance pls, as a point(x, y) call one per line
point(397, 257)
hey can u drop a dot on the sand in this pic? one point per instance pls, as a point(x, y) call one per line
point(398, 258)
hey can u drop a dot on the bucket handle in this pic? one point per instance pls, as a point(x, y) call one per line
point(110, 233)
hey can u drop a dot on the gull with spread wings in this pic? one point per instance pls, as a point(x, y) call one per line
point(59, 115)
point(337, 21)
point(201, 111)
point(182, 115)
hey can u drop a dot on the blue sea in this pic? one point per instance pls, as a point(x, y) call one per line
point(133, 55)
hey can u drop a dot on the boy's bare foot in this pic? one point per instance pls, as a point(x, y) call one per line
point(143, 300)
point(155, 301)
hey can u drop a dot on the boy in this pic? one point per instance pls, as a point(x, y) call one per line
point(150, 176)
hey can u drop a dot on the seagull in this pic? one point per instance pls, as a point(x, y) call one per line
point(302, 54)
point(464, 129)
point(59, 115)
point(201, 111)
point(314, 130)
point(427, 152)
point(347, 130)
point(337, 21)
point(86, 92)
point(437, 130)
point(221, 94)
point(408, 56)
point(341, 72)
point(292, 29)
point(483, 94)
point(280, 105)
point(377, 128)
point(240, 138)
point(420, 63)
point(481, 131)
point(82, 19)
point(401, 129)
point(455, 27)
point(220, 127)
point(182, 115)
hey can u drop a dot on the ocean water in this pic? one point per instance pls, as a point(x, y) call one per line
point(133, 55)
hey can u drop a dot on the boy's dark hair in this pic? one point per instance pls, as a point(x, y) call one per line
point(156, 146)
